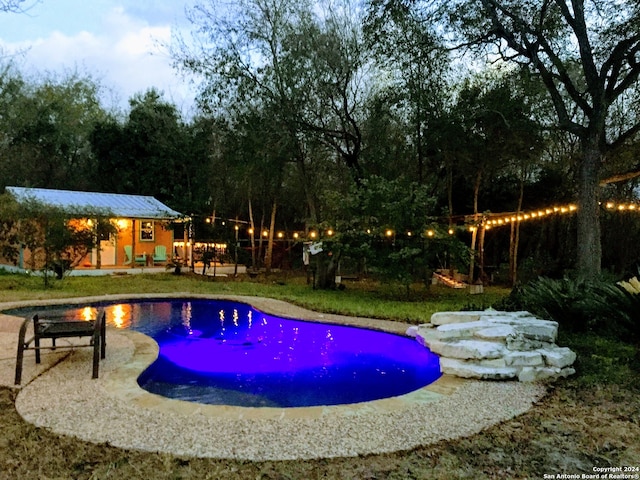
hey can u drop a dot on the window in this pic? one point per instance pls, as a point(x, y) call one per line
point(146, 231)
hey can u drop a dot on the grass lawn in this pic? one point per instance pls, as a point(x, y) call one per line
point(589, 420)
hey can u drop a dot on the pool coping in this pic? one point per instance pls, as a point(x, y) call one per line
point(117, 391)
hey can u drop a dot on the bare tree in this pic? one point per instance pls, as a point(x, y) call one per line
point(13, 6)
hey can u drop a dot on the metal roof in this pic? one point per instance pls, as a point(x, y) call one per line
point(113, 204)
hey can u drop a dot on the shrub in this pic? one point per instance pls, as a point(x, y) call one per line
point(580, 306)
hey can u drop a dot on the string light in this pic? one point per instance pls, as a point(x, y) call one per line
point(488, 220)
point(621, 206)
point(496, 220)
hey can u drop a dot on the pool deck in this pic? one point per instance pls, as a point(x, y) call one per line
point(61, 396)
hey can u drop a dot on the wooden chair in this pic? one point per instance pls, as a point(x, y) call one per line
point(55, 328)
point(139, 259)
point(160, 254)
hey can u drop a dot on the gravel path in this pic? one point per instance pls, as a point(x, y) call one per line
point(61, 396)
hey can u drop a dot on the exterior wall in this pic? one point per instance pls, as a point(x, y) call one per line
point(142, 245)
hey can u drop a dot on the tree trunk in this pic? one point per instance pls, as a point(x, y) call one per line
point(326, 266)
point(476, 218)
point(253, 232)
point(483, 232)
point(515, 240)
point(272, 226)
point(589, 242)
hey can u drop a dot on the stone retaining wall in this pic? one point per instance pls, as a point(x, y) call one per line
point(496, 345)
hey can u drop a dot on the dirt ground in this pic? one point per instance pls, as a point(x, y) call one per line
point(571, 431)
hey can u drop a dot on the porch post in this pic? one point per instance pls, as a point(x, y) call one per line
point(133, 243)
point(98, 249)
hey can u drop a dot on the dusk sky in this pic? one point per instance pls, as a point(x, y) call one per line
point(120, 43)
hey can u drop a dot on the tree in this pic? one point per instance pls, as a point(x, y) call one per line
point(416, 67)
point(499, 135)
point(153, 151)
point(587, 54)
point(286, 59)
point(56, 239)
point(46, 128)
point(261, 77)
point(332, 58)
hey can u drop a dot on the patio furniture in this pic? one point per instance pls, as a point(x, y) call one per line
point(55, 328)
point(139, 259)
point(160, 254)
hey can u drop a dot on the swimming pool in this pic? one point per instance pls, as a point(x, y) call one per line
point(228, 353)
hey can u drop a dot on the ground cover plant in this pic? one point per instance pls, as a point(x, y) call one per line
point(591, 419)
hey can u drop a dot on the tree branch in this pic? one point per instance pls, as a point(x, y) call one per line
point(620, 177)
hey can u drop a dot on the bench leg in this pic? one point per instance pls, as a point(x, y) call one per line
point(20, 355)
point(96, 359)
point(36, 343)
point(103, 336)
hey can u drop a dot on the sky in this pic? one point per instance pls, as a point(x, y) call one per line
point(120, 43)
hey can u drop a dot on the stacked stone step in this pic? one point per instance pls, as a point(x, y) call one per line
point(496, 345)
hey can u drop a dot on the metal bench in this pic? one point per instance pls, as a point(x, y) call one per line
point(55, 328)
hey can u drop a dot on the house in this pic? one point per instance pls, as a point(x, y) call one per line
point(143, 235)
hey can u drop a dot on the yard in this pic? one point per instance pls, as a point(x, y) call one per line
point(589, 420)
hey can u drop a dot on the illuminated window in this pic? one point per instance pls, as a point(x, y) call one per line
point(146, 231)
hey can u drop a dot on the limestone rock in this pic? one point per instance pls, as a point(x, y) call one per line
point(496, 345)
point(518, 342)
point(558, 357)
point(443, 318)
point(524, 359)
point(500, 332)
point(532, 374)
point(470, 370)
point(412, 331)
point(459, 330)
point(465, 349)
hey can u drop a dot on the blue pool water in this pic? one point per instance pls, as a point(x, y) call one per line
point(228, 353)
